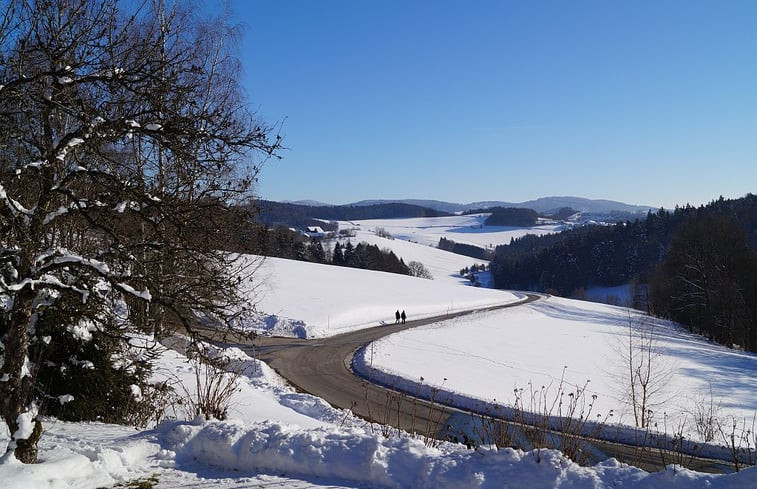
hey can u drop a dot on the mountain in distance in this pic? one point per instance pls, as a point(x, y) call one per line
point(542, 205)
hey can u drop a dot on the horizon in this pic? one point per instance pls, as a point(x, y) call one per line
point(447, 201)
point(649, 103)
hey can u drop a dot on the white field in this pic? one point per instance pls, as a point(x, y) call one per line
point(488, 355)
point(313, 300)
point(279, 438)
point(467, 229)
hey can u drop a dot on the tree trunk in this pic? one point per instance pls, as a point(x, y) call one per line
point(15, 393)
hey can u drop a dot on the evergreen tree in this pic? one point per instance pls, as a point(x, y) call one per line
point(349, 252)
point(316, 252)
point(338, 258)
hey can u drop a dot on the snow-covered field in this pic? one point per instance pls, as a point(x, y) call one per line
point(485, 357)
point(468, 229)
point(279, 438)
point(313, 300)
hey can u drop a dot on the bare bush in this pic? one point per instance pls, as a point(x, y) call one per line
point(705, 415)
point(417, 269)
point(216, 380)
point(383, 233)
point(741, 441)
point(559, 419)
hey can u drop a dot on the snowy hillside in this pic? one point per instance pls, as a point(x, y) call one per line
point(312, 300)
point(487, 356)
point(277, 437)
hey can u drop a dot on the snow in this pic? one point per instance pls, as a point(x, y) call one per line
point(443, 265)
point(13, 206)
point(315, 300)
point(25, 422)
point(468, 229)
point(484, 358)
point(65, 399)
point(620, 295)
point(277, 437)
point(140, 294)
point(82, 331)
point(267, 443)
point(97, 265)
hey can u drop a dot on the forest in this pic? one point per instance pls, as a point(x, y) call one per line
point(699, 265)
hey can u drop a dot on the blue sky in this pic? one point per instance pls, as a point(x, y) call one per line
point(650, 102)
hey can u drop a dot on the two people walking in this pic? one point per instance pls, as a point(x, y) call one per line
point(398, 316)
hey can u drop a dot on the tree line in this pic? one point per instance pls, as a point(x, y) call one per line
point(465, 249)
point(698, 262)
point(281, 242)
point(511, 216)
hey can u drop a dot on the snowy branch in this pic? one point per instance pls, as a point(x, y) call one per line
point(11, 205)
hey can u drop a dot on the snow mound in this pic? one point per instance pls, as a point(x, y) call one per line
point(273, 325)
point(350, 454)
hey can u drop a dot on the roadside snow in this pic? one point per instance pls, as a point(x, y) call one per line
point(277, 437)
point(330, 450)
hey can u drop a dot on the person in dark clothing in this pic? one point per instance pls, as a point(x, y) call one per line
point(397, 317)
point(403, 316)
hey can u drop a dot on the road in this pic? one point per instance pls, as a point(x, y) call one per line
point(321, 367)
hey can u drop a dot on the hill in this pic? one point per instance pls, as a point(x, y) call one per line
point(301, 215)
point(700, 265)
point(541, 205)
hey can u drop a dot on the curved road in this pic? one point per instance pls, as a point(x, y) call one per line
point(321, 367)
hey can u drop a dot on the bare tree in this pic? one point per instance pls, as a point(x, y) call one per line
point(644, 371)
point(125, 145)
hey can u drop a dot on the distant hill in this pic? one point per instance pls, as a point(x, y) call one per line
point(299, 215)
point(542, 205)
point(449, 207)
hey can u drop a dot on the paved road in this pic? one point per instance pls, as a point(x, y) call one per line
point(322, 367)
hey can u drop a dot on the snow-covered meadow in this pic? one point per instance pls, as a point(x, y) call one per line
point(313, 300)
point(468, 229)
point(487, 356)
point(483, 358)
point(277, 437)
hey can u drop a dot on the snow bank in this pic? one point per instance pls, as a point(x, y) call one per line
point(374, 461)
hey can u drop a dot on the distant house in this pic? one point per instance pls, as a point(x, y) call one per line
point(315, 232)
